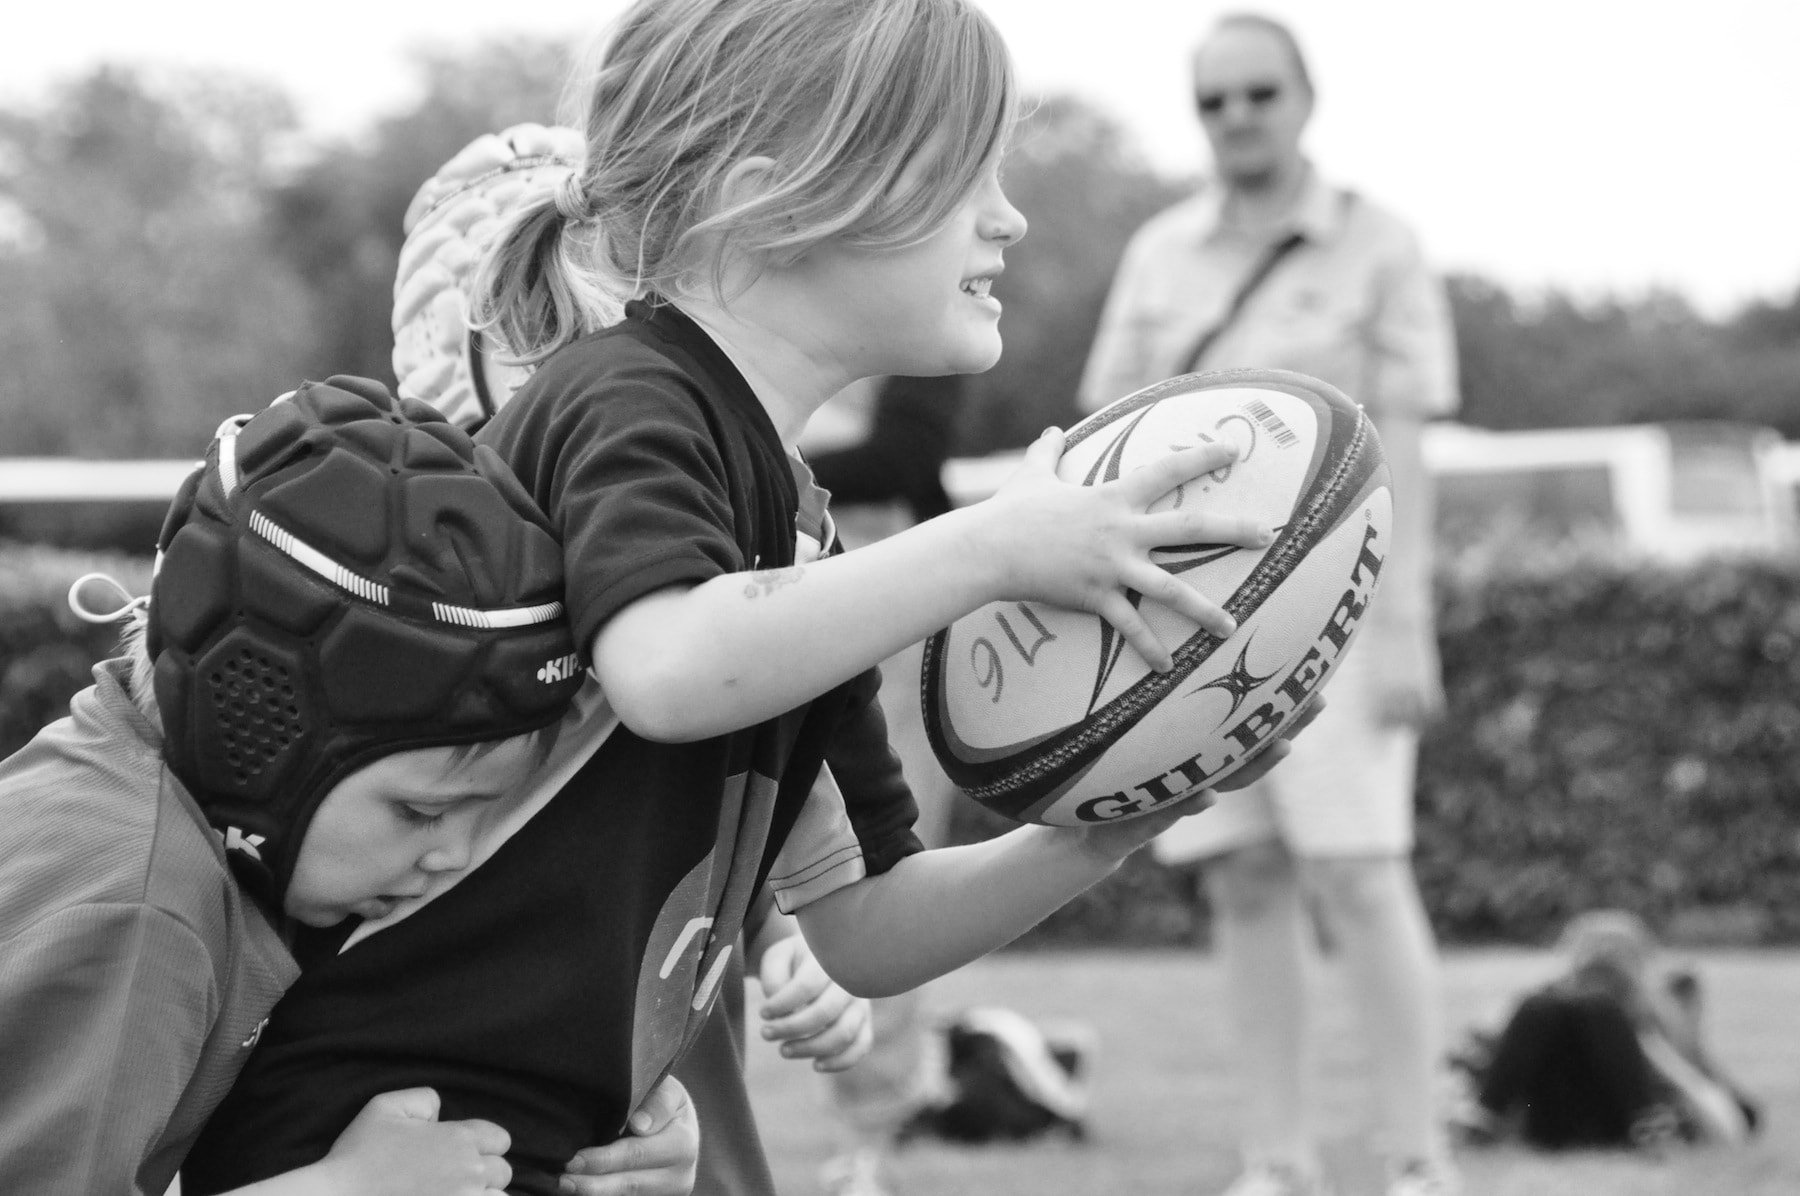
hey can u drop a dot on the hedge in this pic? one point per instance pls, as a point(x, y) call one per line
point(1620, 736)
point(46, 653)
point(1617, 734)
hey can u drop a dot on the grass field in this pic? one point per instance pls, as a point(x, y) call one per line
point(1163, 1092)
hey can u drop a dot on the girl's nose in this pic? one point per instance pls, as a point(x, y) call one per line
point(1001, 221)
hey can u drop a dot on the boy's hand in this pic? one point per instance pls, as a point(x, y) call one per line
point(397, 1147)
point(1086, 547)
point(659, 1157)
point(806, 1011)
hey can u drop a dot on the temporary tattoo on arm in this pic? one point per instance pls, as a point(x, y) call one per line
point(766, 582)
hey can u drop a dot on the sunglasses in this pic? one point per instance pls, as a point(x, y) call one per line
point(1257, 95)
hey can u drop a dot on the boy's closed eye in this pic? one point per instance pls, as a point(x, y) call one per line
point(424, 817)
point(429, 813)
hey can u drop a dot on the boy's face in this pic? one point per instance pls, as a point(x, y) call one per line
point(388, 829)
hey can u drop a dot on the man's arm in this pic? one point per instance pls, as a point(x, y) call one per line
point(1413, 365)
point(1412, 342)
point(1119, 360)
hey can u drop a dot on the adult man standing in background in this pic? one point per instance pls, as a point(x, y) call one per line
point(1271, 267)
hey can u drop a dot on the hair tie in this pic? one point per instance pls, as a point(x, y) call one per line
point(571, 199)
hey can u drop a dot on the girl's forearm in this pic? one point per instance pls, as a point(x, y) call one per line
point(745, 647)
point(700, 661)
point(938, 910)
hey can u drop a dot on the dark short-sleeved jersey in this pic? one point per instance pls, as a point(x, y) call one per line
point(555, 984)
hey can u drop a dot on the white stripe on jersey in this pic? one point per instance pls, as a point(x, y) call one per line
point(822, 853)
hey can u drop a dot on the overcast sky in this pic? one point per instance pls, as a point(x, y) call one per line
point(1590, 144)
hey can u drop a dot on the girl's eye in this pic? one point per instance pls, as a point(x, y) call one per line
point(420, 818)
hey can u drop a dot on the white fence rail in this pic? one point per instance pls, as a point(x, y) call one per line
point(1669, 494)
point(66, 479)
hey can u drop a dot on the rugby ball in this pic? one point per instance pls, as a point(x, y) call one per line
point(1047, 715)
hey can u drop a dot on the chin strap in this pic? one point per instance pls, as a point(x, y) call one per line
point(131, 605)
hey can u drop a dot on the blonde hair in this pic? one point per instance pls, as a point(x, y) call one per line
point(844, 96)
point(1611, 949)
point(1611, 936)
point(140, 678)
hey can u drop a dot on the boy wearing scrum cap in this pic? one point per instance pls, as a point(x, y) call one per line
point(353, 651)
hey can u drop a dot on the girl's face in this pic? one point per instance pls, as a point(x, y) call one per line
point(925, 309)
point(387, 830)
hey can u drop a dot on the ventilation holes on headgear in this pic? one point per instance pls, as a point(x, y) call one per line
point(258, 717)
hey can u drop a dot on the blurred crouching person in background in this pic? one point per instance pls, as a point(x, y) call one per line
point(1604, 1055)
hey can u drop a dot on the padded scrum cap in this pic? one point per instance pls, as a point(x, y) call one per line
point(452, 222)
point(346, 576)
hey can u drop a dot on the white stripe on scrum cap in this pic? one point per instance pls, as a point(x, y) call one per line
point(227, 437)
point(497, 619)
point(318, 562)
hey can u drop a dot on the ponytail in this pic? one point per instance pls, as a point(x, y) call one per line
point(539, 288)
point(878, 115)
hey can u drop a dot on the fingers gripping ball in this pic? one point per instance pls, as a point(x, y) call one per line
point(1046, 715)
point(451, 223)
point(345, 576)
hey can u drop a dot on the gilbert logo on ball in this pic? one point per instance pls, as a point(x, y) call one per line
point(1046, 715)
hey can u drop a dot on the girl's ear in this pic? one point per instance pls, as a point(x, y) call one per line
point(746, 182)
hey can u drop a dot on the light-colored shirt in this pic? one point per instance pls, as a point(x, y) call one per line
point(1353, 305)
point(134, 975)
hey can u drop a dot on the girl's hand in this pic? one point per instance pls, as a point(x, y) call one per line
point(659, 1157)
point(806, 1011)
point(1276, 752)
point(1116, 840)
point(1088, 547)
point(397, 1147)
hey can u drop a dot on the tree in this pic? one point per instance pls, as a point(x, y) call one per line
point(1555, 362)
point(139, 304)
point(338, 223)
point(1767, 336)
